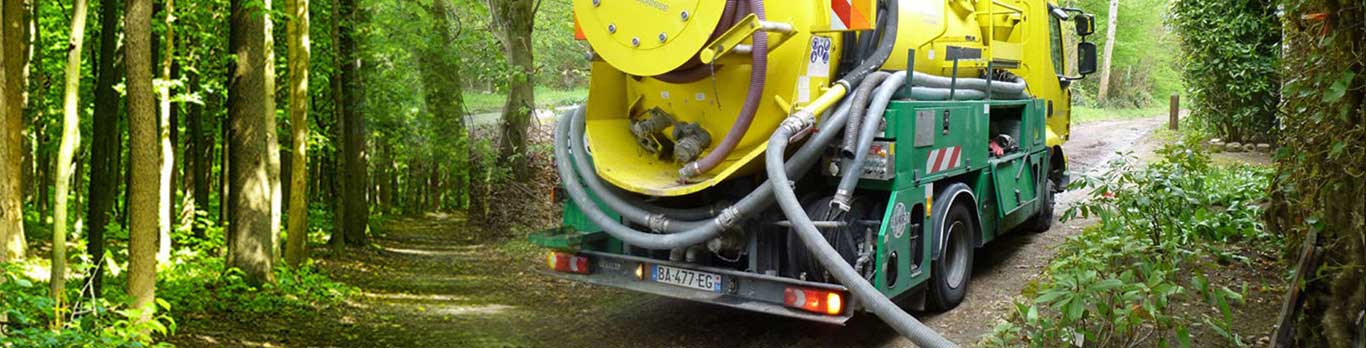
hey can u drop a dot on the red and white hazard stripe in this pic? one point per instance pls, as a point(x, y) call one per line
point(850, 15)
point(943, 159)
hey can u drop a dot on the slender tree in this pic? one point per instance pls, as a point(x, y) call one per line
point(1113, 20)
point(106, 143)
point(12, 27)
point(164, 135)
point(512, 22)
point(250, 247)
point(6, 173)
point(71, 133)
point(143, 198)
point(296, 250)
point(272, 134)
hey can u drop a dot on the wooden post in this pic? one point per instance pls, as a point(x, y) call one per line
point(1174, 120)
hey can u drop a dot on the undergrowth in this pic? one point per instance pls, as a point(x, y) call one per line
point(195, 280)
point(1114, 285)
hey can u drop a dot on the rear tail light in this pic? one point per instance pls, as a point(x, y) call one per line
point(562, 262)
point(815, 301)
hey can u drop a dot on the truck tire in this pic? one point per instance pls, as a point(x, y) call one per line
point(1043, 221)
point(951, 273)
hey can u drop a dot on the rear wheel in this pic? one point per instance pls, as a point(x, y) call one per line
point(951, 273)
point(1044, 219)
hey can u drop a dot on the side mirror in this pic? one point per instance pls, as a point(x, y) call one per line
point(1086, 58)
point(1086, 24)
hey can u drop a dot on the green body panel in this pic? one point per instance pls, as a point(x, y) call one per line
point(993, 181)
point(890, 240)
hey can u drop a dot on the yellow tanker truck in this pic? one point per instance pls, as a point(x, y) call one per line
point(812, 159)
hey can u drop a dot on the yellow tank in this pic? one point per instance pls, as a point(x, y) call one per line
point(687, 60)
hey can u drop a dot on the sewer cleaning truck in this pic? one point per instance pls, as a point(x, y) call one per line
point(812, 159)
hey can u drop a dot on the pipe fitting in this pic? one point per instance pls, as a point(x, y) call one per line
point(658, 223)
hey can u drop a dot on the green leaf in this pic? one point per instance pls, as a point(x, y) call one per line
point(23, 283)
point(1339, 87)
point(1337, 150)
point(1183, 336)
point(1075, 309)
point(1049, 297)
point(1107, 285)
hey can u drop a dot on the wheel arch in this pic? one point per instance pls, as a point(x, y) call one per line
point(955, 193)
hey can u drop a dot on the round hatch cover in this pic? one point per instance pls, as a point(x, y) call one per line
point(648, 37)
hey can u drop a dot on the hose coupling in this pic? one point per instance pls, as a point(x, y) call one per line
point(688, 171)
point(799, 122)
point(658, 223)
point(728, 218)
point(841, 200)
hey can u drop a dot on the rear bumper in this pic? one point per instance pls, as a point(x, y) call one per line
point(742, 290)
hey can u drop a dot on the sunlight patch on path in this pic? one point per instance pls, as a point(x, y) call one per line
point(411, 297)
point(490, 309)
point(452, 252)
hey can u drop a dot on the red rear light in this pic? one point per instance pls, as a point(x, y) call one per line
point(816, 301)
point(562, 262)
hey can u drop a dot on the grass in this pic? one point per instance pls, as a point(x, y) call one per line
point(1084, 114)
point(478, 103)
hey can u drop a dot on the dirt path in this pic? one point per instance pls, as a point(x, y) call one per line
point(426, 284)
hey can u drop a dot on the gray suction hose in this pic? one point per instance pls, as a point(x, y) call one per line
point(1013, 88)
point(861, 94)
point(864, 292)
point(854, 169)
point(756, 200)
point(632, 211)
point(927, 93)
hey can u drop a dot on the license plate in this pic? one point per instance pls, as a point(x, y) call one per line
point(686, 278)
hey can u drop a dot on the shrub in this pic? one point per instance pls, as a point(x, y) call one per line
point(1231, 50)
point(1113, 285)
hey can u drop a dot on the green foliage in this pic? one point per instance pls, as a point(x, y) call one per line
point(1114, 285)
point(101, 323)
point(197, 281)
point(1319, 177)
point(1083, 114)
point(1145, 68)
point(1232, 51)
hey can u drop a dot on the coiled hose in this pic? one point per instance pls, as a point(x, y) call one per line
point(758, 75)
point(569, 130)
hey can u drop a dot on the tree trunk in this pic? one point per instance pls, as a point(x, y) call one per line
point(513, 21)
point(105, 144)
point(1109, 51)
point(1320, 187)
point(224, 171)
point(164, 136)
point(71, 133)
point(250, 246)
point(7, 175)
point(12, 241)
point(338, 188)
point(143, 198)
point(355, 175)
point(272, 134)
point(296, 250)
point(444, 96)
point(202, 138)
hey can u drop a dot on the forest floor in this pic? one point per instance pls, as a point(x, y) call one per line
point(426, 283)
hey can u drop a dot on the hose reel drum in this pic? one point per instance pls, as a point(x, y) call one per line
point(648, 37)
